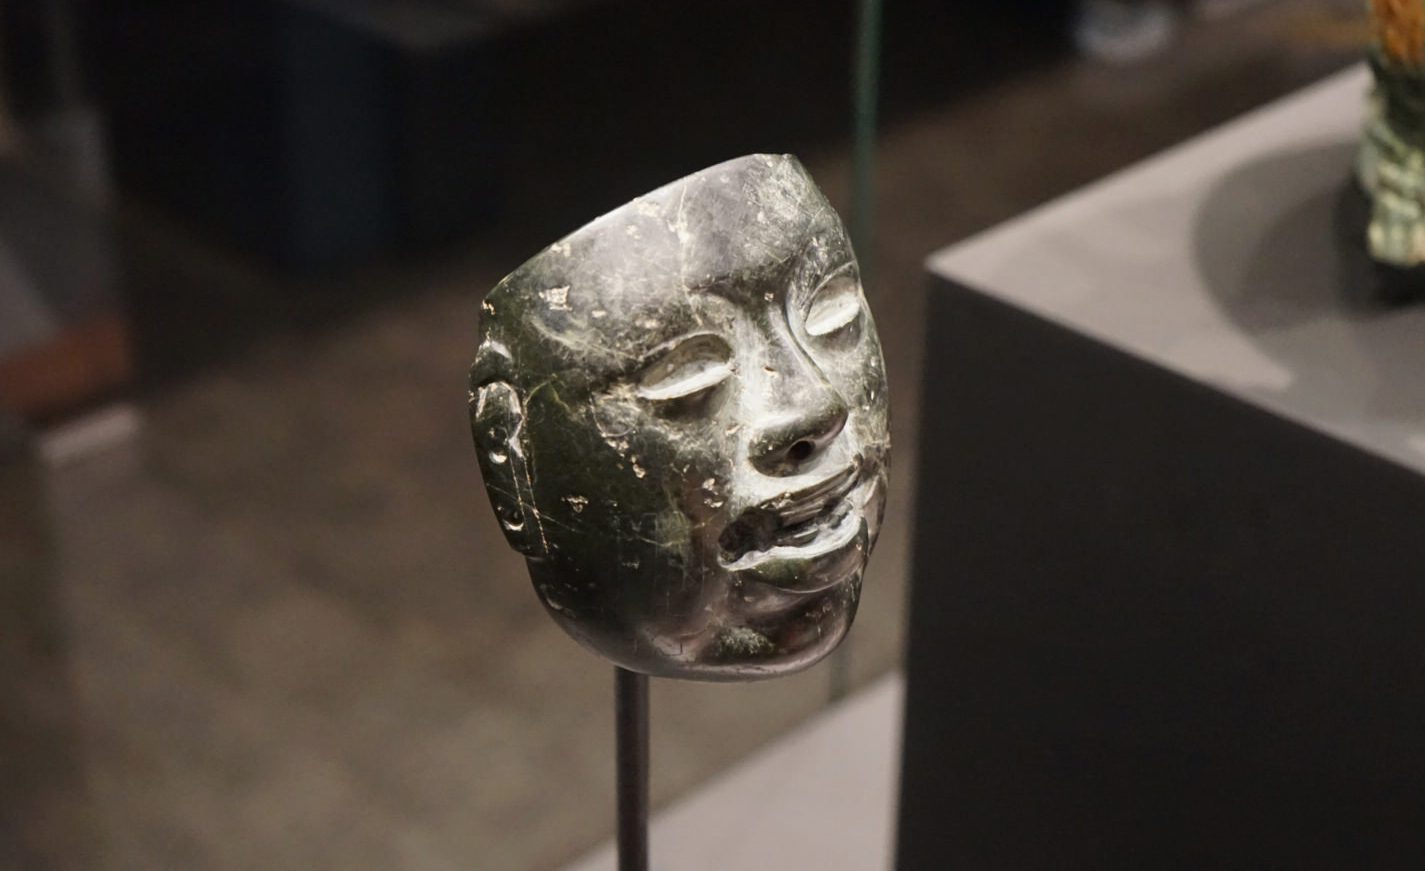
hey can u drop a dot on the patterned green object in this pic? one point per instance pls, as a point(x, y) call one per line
point(1391, 167)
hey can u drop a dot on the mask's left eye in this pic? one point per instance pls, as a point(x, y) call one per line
point(692, 366)
point(835, 306)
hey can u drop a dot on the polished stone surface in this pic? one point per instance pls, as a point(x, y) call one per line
point(680, 412)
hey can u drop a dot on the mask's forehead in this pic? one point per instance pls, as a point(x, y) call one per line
point(746, 219)
point(624, 284)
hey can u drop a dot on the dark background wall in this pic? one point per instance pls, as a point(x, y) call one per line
point(319, 134)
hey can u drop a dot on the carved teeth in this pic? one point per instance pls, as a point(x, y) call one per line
point(791, 520)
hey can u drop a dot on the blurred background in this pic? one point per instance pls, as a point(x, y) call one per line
point(254, 609)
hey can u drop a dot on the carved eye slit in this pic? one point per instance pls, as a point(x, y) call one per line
point(835, 306)
point(694, 365)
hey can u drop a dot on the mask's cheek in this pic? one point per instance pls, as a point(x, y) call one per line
point(868, 414)
point(582, 480)
point(706, 498)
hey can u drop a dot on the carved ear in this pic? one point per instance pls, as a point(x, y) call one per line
point(497, 421)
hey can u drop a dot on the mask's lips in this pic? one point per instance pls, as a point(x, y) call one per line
point(795, 526)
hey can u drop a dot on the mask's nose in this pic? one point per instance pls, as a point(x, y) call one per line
point(799, 416)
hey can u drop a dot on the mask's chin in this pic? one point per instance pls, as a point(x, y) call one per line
point(785, 641)
point(760, 631)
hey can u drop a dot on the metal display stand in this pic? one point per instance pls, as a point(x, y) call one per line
point(631, 718)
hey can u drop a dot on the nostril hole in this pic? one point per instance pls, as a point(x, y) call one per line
point(800, 451)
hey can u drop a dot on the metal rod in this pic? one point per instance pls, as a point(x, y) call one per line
point(865, 93)
point(631, 719)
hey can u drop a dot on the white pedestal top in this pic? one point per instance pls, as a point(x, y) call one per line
point(1218, 260)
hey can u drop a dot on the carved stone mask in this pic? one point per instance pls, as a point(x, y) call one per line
point(681, 416)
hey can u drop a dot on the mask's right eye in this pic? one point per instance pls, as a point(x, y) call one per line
point(692, 366)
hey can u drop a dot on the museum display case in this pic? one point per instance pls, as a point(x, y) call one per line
point(1155, 447)
point(1166, 612)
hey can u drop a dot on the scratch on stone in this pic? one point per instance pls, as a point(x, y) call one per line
point(556, 297)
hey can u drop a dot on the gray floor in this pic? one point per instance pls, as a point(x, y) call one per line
point(279, 629)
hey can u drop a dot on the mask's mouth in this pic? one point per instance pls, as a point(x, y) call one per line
point(795, 526)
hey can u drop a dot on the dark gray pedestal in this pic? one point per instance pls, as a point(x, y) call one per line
point(1169, 589)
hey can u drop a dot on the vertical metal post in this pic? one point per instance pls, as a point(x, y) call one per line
point(631, 720)
point(865, 80)
point(866, 86)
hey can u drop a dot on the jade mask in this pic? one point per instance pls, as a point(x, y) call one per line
point(681, 416)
